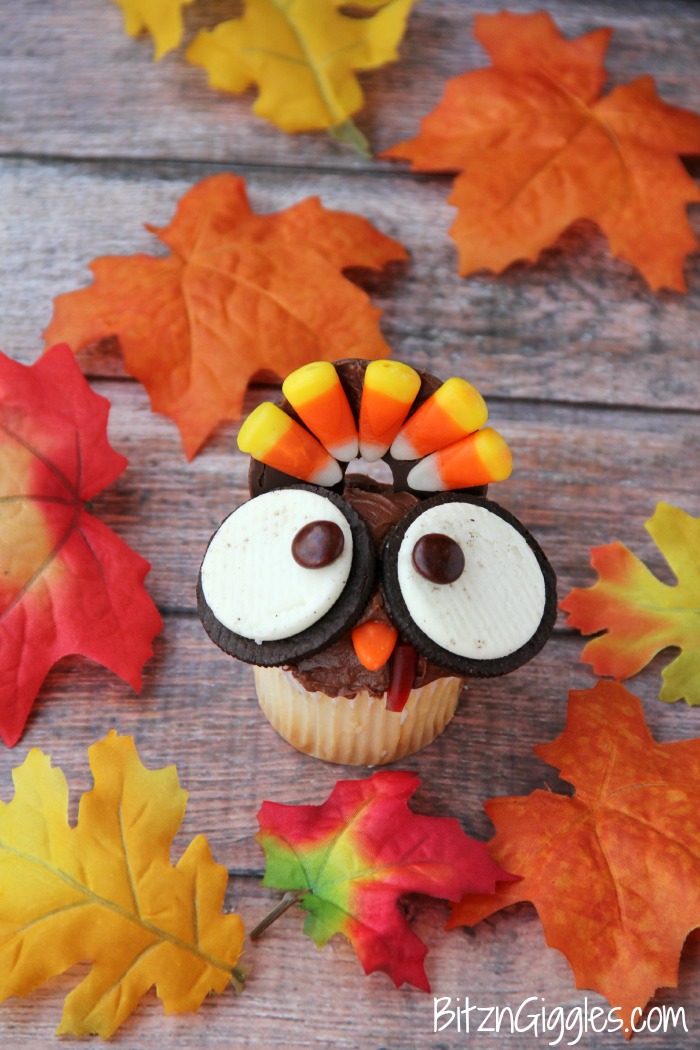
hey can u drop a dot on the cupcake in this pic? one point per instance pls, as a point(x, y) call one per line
point(364, 604)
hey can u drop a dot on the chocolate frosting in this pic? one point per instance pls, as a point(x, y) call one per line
point(336, 670)
point(378, 504)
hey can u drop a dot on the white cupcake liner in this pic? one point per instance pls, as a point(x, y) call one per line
point(359, 731)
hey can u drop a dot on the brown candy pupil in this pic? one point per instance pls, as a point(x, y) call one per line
point(318, 544)
point(438, 558)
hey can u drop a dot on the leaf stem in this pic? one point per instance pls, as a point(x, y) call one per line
point(238, 978)
point(287, 901)
point(349, 133)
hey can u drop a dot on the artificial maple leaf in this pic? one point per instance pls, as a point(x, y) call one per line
point(240, 294)
point(67, 583)
point(355, 855)
point(614, 872)
point(161, 18)
point(537, 149)
point(105, 892)
point(639, 614)
point(301, 54)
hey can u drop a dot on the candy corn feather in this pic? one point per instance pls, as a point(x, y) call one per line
point(317, 396)
point(274, 438)
point(389, 390)
point(478, 459)
point(453, 411)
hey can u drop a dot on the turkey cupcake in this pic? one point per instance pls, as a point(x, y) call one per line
point(363, 604)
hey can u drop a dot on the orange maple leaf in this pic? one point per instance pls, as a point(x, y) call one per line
point(240, 294)
point(538, 148)
point(614, 871)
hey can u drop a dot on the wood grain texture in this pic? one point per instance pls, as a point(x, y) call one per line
point(593, 379)
point(575, 327)
point(78, 87)
point(568, 459)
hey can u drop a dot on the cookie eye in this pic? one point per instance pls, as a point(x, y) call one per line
point(317, 544)
point(285, 574)
point(468, 585)
point(438, 558)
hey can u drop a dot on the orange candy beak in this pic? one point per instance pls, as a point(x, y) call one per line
point(374, 643)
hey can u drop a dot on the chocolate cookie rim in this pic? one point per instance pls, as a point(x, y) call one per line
point(467, 667)
point(326, 630)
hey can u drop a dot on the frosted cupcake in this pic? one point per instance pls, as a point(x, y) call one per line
point(363, 605)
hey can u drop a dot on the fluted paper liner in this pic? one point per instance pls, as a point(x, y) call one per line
point(358, 731)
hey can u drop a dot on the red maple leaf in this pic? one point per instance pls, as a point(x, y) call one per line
point(67, 583)
point(354, 856)
point(537, 148)
point(239, 295)
point(614, 871)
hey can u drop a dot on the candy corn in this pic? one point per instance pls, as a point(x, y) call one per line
point(389, 391)
point(453, 411)
point(270, 435)
point(475, 460)
point(316, 394)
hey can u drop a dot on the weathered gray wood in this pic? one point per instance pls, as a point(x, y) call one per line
point(568, 460)
point(579, 326)
point(593, 379)
point(75, 85)
point(194, 695)
point(292, 997)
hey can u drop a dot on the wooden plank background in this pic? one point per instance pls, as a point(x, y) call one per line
point(593, 379)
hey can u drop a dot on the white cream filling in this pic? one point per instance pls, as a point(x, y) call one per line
point(250, 579)
point(497, 603)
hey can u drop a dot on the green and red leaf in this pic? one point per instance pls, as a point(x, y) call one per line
point(352, 858)
point(639, 614)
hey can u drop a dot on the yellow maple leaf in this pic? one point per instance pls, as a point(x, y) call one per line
point(161, 18)
point(105, 892)
point(302, 55)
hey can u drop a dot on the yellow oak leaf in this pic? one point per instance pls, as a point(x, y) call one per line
point(302, 55)
point(161, 18)
point(105, 892)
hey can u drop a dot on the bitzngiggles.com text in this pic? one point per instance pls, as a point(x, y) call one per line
point(558, 1025)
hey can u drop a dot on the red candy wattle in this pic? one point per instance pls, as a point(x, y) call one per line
point(403, 675)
